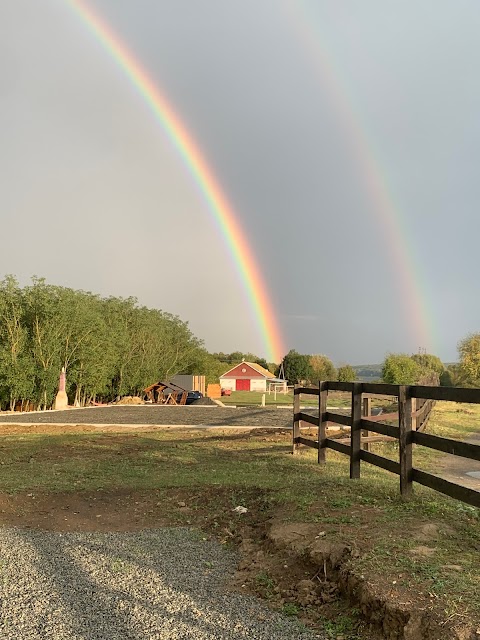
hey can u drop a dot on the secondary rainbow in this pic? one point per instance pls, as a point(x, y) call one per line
point(384, 209)
point(199, 169)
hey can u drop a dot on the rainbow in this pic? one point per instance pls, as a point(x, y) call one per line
point(222, 212)
point(412, 297)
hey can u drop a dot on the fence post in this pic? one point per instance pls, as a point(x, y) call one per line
point(355, 435)
point(296, 421)
point(405, 439)
point(322, 422)
point(367, 412)
point(415, 420)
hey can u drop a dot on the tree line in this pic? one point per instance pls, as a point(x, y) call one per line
point(427, 369)
point(397, 368)
point(309, 369)
point(423, 368)
point(110, 347)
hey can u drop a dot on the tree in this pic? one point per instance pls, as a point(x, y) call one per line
point(321, 368)
point(109, 347)
point(236, 357)
point(45, 325)
point(429, 362)
point(469, 352)
point(455, 376)
point(346, 373)
point(400, 368)
point(206, 364)
point(16, 365)
point(296, 367)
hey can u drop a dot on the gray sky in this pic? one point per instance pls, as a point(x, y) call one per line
point(298, 106)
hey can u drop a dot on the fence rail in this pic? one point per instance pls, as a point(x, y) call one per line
point(412, 420)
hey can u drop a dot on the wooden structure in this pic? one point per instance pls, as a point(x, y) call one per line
point(404, 432)
point(166, 393)
point(190, 382)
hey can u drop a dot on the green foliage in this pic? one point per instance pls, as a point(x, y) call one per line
point(420, 368)
point(346, 373)
point(109, 347)
point(297, 367)
point(16, 363)
point(399, 368)
point(469, 352)
point(206, 364)
point(321, 368)
point(446, 379)
point(455, 376)
point(236, 357)
point(429, 362)
point(290, 609)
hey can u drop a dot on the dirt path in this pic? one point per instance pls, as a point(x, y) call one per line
point(459, 470)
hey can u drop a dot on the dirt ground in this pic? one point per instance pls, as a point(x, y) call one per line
point(294, 566)
point(298, 566)
point(269, 570)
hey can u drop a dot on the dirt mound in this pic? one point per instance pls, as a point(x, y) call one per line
point(203, 401)
point(130, 400)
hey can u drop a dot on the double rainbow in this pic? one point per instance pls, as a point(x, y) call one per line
point(223, 213)
point(399, 251)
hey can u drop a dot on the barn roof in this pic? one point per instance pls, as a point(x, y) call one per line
point(253, 365)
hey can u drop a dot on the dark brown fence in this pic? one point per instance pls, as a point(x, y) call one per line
point(405, 432)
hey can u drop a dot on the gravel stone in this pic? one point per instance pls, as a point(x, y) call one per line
point(160, 415)
point(168, 583)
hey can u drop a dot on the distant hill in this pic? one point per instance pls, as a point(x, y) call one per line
point(368, 372)
point(373, 372)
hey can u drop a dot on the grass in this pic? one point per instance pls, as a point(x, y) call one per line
point(249, 398)
point(448, 420)
point(265, 584)
point(343, 626)
point(369, 513)
point(290, 609)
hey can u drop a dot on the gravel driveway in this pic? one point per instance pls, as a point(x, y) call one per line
point(160, 415)
point(154, 584)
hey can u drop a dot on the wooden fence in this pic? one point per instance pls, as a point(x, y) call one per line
point(406, 435)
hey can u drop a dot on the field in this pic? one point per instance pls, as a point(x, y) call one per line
point(420, 554)
point(254, 398)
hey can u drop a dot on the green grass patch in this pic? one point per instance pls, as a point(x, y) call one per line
point(254, 398)
point(448, 420)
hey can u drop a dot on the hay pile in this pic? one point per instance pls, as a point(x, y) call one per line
point(130, 400)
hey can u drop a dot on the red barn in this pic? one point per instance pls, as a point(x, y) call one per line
point(246, 376)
